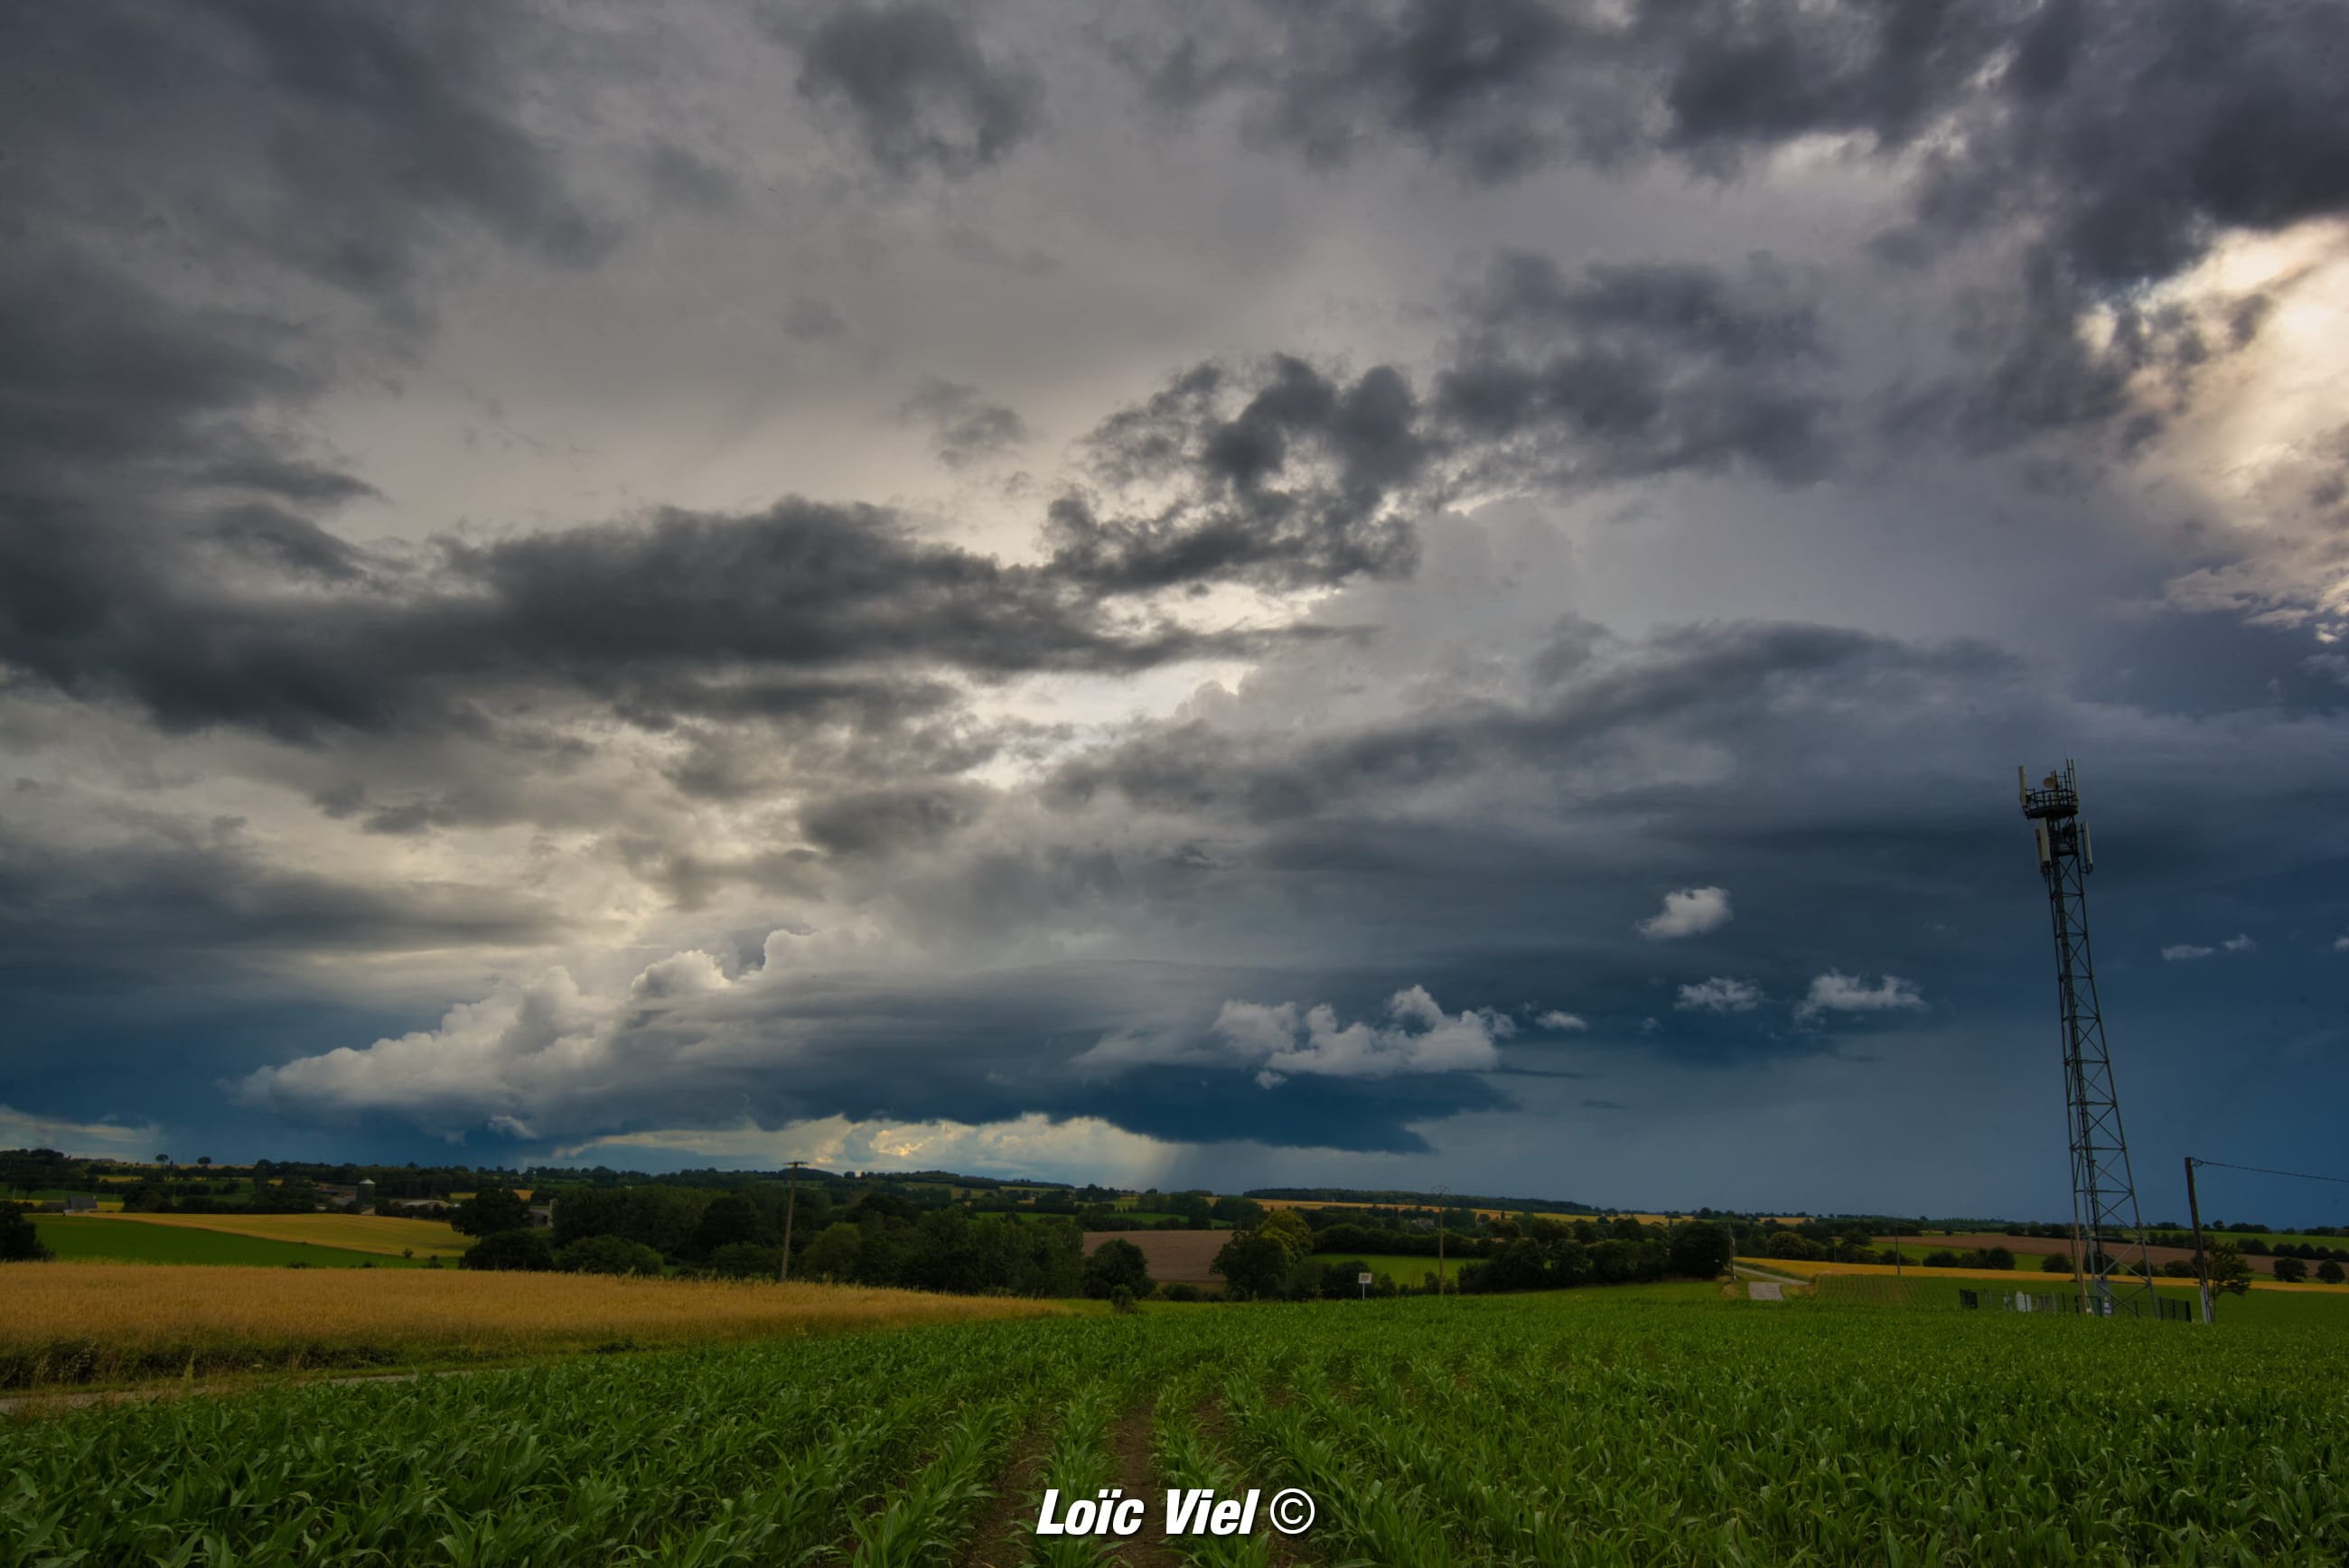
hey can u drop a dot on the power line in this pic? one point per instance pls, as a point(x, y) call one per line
point(2263, 1170)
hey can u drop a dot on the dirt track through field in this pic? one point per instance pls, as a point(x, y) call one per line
point(1137, 1473)
point(1001, 1538)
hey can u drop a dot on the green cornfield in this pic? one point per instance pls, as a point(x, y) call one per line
point(1626, 1425)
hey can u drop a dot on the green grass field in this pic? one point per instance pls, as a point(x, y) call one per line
point(126, 1241)
point(2024, 1262)
point(2274, 1238)
point(1929, 1289)
point(1653, 1425)
point(1405, 1271)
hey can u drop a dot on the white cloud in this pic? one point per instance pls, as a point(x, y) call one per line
point(24, 1129)
point(1688, 912)
point(1835, 991)
point(2341, 944)
point(1080, 1148)
point(1565, 1023)
point(496, 1057)
point(1284, 1043)
point(2184, 951)
point(1719, 995)
point(541, 1056)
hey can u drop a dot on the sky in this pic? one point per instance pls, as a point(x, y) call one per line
point(1221, 592)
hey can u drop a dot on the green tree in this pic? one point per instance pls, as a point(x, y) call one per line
point(1253, 1264)
point(2229, 1272)
point(491, 1210)
point(1236, 1211)
point(744, 1260)
point(1700, 1250)
point(607, 1256)
point(1118, 1264)
point(2291, 1271)
point(731, 1219)
point(1290, 1229)
point(2329, 1272)
point(834, 1253)
point(509, 1250)
point(20, 1239)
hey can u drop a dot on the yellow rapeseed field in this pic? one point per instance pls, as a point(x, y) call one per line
point(359, 1233)
point(110, 1321)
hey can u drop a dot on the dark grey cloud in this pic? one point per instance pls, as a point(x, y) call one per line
point(1635, 370)
point(2134, 133)
point(1737, 76)
point(683, 178)
point(967, 428)
point(813, 321)
point(2130, 131)
point(1758, 683)
point(197, 904)
point(623, 614)
point(925, 92)
point(1492, 87)
point(2093, 146)
point(2034, 376)
point(336, 142)
point(883, 821)
point(1285, 476)
point(290, 543)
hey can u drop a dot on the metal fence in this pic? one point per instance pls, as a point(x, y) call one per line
point(2135, 1305)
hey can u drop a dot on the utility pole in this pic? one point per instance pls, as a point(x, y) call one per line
point(791, 1203)
point(1441, 1194)
point(2201, 1258)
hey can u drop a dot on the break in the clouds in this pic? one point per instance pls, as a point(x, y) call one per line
point(1221, 590)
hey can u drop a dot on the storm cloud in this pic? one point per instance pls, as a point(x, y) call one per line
point(1385, 591)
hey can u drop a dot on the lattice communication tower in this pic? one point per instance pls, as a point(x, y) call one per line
point(2103, 1194)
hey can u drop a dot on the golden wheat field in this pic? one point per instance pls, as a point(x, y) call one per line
point(379, 1234)
point(78, 1323)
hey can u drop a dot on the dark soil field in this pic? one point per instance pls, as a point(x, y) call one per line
point(1174, 1255)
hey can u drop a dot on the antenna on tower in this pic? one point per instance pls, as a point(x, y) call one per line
point(2104, 1193)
